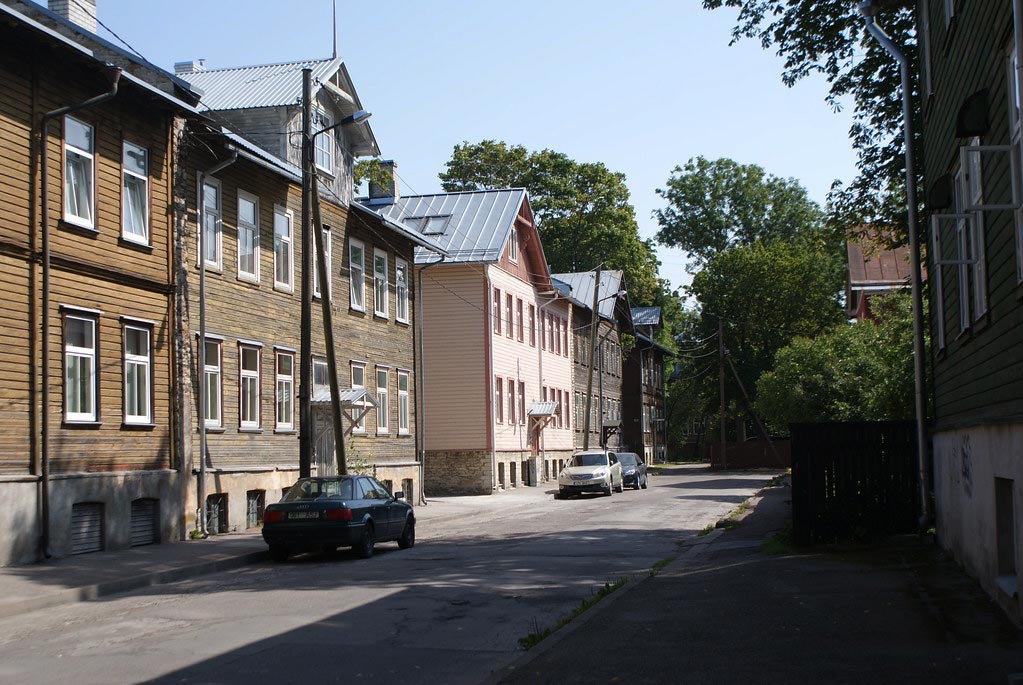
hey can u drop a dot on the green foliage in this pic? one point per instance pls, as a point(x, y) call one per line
point(582, 209)
point(852, 372)
point(537, 635)
point(369, 170)
point(713, 205)
point(827, 37)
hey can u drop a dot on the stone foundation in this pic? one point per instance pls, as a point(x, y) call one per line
point(462, 472)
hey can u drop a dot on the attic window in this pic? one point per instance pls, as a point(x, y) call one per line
point(429, 225)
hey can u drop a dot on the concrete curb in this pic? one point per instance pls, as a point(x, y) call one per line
point(86, 593)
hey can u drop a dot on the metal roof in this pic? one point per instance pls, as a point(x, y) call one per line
point(646, 316)
point(582, 289)
point(417, 238)
point(348, 396)
point(871, 265)
point(542, 409)
point(476, 223)
point(264, 85)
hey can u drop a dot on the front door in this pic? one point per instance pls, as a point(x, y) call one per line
point(323, 442)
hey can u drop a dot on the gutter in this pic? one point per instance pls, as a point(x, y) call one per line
point(114, 75)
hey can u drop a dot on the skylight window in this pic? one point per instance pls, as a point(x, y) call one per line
point(429, 225)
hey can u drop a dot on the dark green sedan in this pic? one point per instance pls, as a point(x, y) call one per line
point(322, 514)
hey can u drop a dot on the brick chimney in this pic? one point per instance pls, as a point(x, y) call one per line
point(190, 66)
point(386, 188)
point(81, 12)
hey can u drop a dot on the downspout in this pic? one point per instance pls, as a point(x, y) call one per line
point(420, 385)
point(488, 332)
point(114, 75)
point(200, 505)
point(869, 9)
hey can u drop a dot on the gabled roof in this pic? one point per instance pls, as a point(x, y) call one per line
point(646, 316)
point(423, 242)
point(581, 285)
point(471, 226)
point(872, 267)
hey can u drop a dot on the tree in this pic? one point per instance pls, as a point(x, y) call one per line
point(582, 209)
point(858, 372)
point(827, 37)
point(716, 204)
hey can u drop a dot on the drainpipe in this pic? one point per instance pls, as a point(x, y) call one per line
point(420, 386)
point(114, 75)
point(200, 509)
point(869, 9)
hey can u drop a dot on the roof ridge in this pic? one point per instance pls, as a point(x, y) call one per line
point(463, 192)
point(268, 64)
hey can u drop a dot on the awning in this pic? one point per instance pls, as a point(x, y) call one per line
point(542, 409)
point(359, 399)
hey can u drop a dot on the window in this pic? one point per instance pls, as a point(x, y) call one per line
point(556, 397)
point(380, 307)
point(567, 414)
point(137, 365)
point(508, 300)
point(284, 261)
point(977, 270)
point(316, 267)
point(248, 236)
point(518, 319)
point(285, 384)
point(248, 386)
point(384, 409)
point(79, 368)
point(211, 222)
point(511, 402)
point(496, 306)
point(135, 193)
point(556, 328)
point(564, 336)
point(1015, 126)
point(403, 406)
point(522, 402)
point(321, 377)
point(357, 274)
point(211, 377)
point(401, 292)
point(550, 332)
point(359, 383)
point(79, 173)
point(532, 325)
point(324, 151)
point(513, 245)
point(498, 400)
point(969, 236)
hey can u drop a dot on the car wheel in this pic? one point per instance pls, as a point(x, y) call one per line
point(609, 489)
point(365, 547)
point(644, 484)
point(408, 534)
point(621, 486)
point(279, 553)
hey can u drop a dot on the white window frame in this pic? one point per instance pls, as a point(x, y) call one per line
point(360, 426)
point(213, 377)
point(510, 393)
point(252, 276)
point(328, 251)
point(522, 403)
point(509, 312)
point(91, 354)
point(380, 282)
point(532, 325)
point(519, 319)
point(323, 149)
point(513, 246)
point(498, 400)
point(131, 175)
point(281, 213)
point(403, 402)
point(248, 380)
point(357, 276)
point(132, 364)
point(284, 386)
point(402, 301)
point(218, 226)
point(496, 304)
point(90, 157)
point(384, 407)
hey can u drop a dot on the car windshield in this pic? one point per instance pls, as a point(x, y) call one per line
point(627, 459)
point(597, 459)
point(315, 488)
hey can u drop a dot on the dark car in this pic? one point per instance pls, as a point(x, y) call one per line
point(323, 514)
point(633, 470)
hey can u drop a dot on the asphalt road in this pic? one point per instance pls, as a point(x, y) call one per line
point(485, 572)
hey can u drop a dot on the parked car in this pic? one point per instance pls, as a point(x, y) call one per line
point(633, 469)
point(591, 471)
point(323, 514)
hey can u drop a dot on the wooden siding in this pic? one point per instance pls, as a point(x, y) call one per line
point(611, 377)
point(455, 327)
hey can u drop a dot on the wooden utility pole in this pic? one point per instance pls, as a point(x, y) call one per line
point(593, 347)
point(305, 427)
point(721, 387)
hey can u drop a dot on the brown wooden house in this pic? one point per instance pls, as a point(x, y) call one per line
point(643, 417)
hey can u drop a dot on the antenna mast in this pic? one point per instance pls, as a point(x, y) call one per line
point(334, 27)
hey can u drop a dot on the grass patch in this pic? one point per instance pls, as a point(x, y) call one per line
point(537, 635)
point(707, 530)
point(779, 543)
point(661, 564)
point(777, 481)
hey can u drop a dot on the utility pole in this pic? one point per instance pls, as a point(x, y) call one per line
point(593, 348)
point(305, 433)
point(721, 387)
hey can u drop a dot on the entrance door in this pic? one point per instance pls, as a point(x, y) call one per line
point(323, 442)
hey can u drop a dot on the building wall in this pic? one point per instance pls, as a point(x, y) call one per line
point(643, 398)
point(607, 378)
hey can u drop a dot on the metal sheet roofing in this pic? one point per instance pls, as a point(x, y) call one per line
point(646, 316)
point(542, 408)
point(348, 396)
point(473, 226)
point(425, 242)
point(582, 289)
point(871, 266)
point(264, 85)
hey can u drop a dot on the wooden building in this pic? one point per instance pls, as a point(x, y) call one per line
point(613, 321)
point(88, 423)
point(643, 417)
point(971, 99)
point(496, 358)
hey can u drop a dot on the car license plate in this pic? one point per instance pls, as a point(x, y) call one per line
point(304, 515)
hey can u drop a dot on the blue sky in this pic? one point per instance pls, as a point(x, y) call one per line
point(641, 88)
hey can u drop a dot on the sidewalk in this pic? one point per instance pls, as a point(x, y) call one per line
point(87, 576)
point(724, 611)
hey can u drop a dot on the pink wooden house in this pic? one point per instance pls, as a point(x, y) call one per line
point(496, 359)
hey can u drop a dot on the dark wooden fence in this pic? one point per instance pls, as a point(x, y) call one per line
point(853, 480)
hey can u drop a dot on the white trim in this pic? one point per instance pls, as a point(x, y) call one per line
point(357, 284)
point(359, 427)
point(328, 258)
point(253, 276)
point(383, 404)
point(289, 216)
point(250, 343)
point(81, 310)
point(282, 348)
point(138, 360)
point(147, 209)
point(404, 393)
point(249, 375)
point(88, 353)
point(218, 213)
point(377, 311)
point(402, 295)
point(89, 155)
point(217, 371)
point(284, 378)
point(513, 246)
